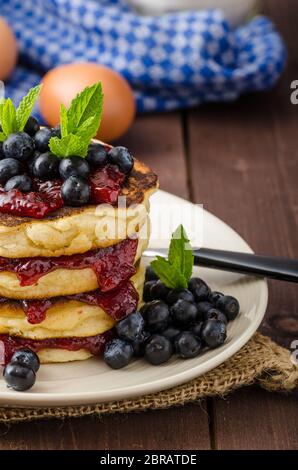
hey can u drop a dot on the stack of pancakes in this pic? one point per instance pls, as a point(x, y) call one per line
point(67, 232)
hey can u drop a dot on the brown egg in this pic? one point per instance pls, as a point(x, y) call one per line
point(63, 83)
point(8, 50)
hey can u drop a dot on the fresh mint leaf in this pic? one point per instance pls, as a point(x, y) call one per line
point(1, 108)
point(180, 252)
point(88, 129)
point(25, 107)
point(8, 119)
point(168, 273)
point(86, 104)
point(69, 145)
point(175, 271)
point(13, 120)
point(63, 121)
point(79, 123)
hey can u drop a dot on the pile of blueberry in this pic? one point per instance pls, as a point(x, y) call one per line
point(20, 372)
point(25, 155)
point(181, 321)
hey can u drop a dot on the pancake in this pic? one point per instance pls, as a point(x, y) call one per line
point(72, 230)
point(65, 319)
point(58, 349)
point(50, 356)
point(56, 283)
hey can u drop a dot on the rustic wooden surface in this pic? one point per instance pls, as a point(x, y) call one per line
point(241, 162)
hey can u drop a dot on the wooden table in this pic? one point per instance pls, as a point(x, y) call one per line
point(241, 161)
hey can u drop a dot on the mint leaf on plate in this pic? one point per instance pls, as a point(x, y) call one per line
point(180, 252)
point(168, 273)
point(175, 271)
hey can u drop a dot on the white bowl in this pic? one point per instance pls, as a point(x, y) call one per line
point(235, 10)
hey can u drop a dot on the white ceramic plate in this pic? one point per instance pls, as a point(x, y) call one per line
point(92, 381)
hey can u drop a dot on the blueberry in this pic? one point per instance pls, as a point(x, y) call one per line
point(18, 376)
point(75, 191)
point(147, 291)
point(199, 289)
point(46, 166)
point(31, 126)
point(18, 145)
point(131, 327)
point(184, 312)
point(203, 308)
point(158, 350)
point(21, 182)
point(26, 357)
point(177, 294)
point(188, 345)
point(56, 131)
point(31, 161)
point(171, 333)
point(230, 306)
point(9, 167)
point(139, 344)
point(118, 353)
point(214, 297)
point(214, 333)
point(73, 166)
point(121, 157)
point(156, 315)
point(42, 138)
point(159, 291)
point(150, 274)
point(196, 329)
point(216, 314)
point(97, 155)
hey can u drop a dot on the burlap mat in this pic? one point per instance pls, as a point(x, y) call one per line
point(260, 361)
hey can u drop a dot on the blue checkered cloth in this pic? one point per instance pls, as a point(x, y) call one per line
point(172, 61)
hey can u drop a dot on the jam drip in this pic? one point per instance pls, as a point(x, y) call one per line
point(94, 344)
point(117, 303)
point(112, 265)
point(106, 185)
point(46, 197)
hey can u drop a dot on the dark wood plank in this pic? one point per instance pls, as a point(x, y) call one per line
point(244, 168)
point(157, 140)
point(183, 428)
point(255, 419)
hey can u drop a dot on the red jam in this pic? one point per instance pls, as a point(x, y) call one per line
point(112, 265)
point(46, 198)
point(117, 303)
point(94, 344)
point(105, 186)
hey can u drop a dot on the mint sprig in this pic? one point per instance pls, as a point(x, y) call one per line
point(69, 145)
point(87, 104)
point(79, 123)
point(14, 119)
point(176, 270)
point(26, 106)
